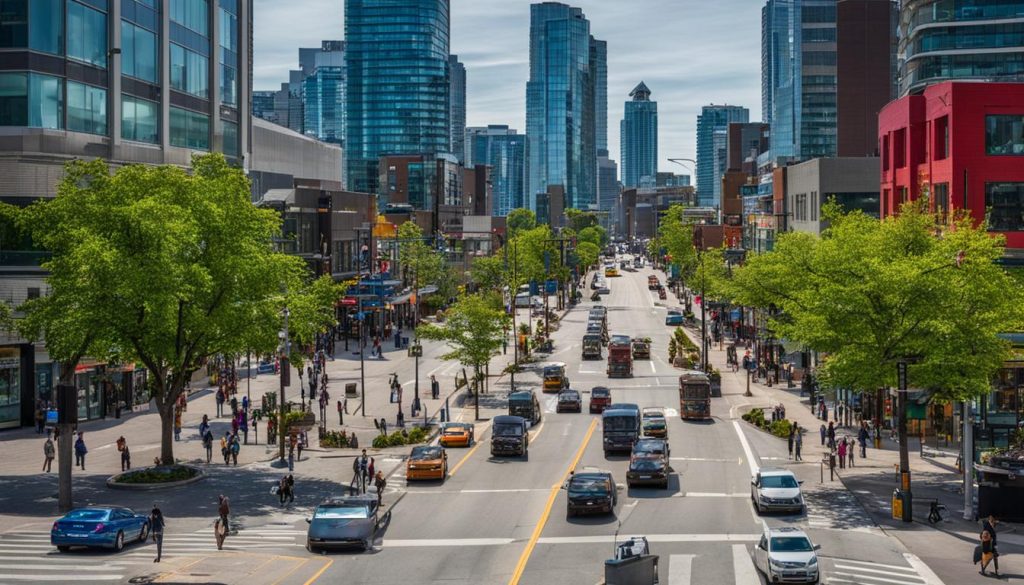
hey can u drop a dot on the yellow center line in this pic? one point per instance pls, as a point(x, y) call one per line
point(469, 454)
point(320, 572)
point(525, 557)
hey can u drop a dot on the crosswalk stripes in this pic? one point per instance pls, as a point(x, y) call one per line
point(848, 571)
point(836, 509)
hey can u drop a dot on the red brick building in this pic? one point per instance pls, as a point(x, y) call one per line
point(962, 143)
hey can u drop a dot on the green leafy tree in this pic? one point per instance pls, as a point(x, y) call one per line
point(161, 266)
point(519, 220)
point(588, 253)
point(595, 234)
point(489, 272)
point(579, 220)
point(312, 312)
point(675, 235)
point(474, 329)
point(870, 294)
point(417, 257)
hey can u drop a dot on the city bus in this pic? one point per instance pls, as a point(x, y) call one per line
point(694, 396)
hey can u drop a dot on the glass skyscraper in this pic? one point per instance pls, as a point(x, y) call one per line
point(560, 105)
point(712, 128)
point(323, 99)
point(457, 99)
point(504, 151)
point(397, 98)
point(639, 138)
point(599, 57)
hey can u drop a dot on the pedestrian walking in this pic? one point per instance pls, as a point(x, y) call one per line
point(177, 423)
point(987, 550)
point(291, 458)
point(823, 432)
point(356, 473)
point(80, 451)
point(849, 452)
point(380, 483)
point(364, 467)
point(224, 511)
point(243, 425)
point(220, 402)
point(48, 454)
point(156, 529)
point(126, 456)
point(792, 437)
point(383, 426)
point(300, 444)
point(341, 417)
point(204, 425)
point(831, 435)
point(208, 444)
point(285, 490)
point(435, 387)
point(245, 403)
point(236, 447)
point(234, 406)
point(842, 453)
point(40, 418)
point(862, 438)
point(989, 525)
point(798, 443)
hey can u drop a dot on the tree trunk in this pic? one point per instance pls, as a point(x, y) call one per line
point(166, 433)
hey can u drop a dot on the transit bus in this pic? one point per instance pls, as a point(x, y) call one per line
point(694, 396)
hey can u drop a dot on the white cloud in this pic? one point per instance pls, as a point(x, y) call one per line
point(689, 52)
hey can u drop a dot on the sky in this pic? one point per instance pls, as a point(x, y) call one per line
point(690, 53)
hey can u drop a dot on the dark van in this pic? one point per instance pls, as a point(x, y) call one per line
point(525, 404)
point(620, 428)
point(509, 436)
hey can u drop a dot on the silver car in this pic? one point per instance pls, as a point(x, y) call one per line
point(786, 555)
point(774, 488)
point(343, 522)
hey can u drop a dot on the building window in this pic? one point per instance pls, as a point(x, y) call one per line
point(900, 148)
point(192, 14)
point(228, 85)
point(30, 99)
point(190, 129)
point(87, 108)
point(10, 385)
point(138, 52)
point(230, 138)
point(87, 35)
point(814, 206)
point(13, 99)
point(13, 23)
point(189, 71)
point(941, 138)
point(1004, 134)
point(1005, 202)
point(46, 26)
point(140, 120)
point(885, 152)
point(941, 196)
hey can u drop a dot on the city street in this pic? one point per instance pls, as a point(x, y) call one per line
point(493, 520)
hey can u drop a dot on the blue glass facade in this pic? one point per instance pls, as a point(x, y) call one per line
point(599, 57)
point(712, 124)
point(560, 106)
point(323, 98)
point(398, 82)
point(457, 109)
point(960, 39)
point(505, 152)
point(639, 138)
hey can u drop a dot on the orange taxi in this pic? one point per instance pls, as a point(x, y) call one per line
point(426, 462)
point(456, 434)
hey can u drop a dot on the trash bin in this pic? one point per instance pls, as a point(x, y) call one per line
point(897, 504)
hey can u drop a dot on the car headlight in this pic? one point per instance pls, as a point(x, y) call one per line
point(762, 497)
point(813, 562)
point(776, 564)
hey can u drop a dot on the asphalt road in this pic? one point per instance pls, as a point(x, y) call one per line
point(503, 521)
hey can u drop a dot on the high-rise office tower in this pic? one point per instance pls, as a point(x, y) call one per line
point(323, 92)
point(560, 105)
point(599, 58)
point(712, 149)
point(457, 98)
point(798, 76)
point(388, 110)
point(942, 40)
point(865, 72)
point(607, 183)
point(639, 138)
point(502, 149)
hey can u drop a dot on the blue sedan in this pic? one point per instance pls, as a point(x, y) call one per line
point(95, 526)
point(674, 317)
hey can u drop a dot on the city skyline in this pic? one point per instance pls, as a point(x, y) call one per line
point(492, 39)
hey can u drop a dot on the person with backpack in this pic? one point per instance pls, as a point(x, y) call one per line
point(208, 444)
point(286, 489)
point(204, 425)
point(80, 450)
point(48, 453)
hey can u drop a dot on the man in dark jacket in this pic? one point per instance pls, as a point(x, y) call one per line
point(989, 524)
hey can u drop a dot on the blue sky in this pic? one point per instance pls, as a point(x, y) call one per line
point(689, 52)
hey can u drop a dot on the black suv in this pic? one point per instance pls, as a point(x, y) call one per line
point(649, 463)
point(590, 491)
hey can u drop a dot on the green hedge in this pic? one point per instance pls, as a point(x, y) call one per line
point(397, 439)
point(779, 428)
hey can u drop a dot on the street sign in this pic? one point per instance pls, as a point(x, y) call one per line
point(901, 375)
point(551, 286)
point(547, 261)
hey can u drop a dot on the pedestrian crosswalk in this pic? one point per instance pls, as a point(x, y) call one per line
point(835, 508)
point(28, 557)
point(847, 571)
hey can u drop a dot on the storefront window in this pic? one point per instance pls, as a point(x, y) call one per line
point(1005, 202)
point(10, 386)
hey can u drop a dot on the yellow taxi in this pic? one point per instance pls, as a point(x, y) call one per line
point(426, 462)
point(611, 270)
point(456, 434)
point(555, 378)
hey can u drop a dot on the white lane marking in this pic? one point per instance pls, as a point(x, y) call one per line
point(744, 572)
point(709, 459)
point(680, 569)
point(653, 370)
point(448, 542)
point(872, 564)
point(923, 570)
point(859, 576)
point(24, 566)
point(709, 495)
point(39, 577)
point(671, 413)
point(746, 448)
point(479, 491)
point(887, 572)
point(51, 559)
point(582, 371)
point(608, 538)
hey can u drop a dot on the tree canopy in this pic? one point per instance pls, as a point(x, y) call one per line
point(578, 220)
point(518, 220)
point(474, 329)
point(675, 236)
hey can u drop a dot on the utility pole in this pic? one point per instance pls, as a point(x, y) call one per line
point(703, 317)
point(967, 461)
point(285, 380)
point(908, 499)
point(417, 350)
point(362, 328)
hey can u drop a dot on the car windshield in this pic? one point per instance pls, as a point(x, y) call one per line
point(89, 515)
point(620, 339)
point(779, 481)
point(507, 430)
point(454, 431)
point(654, 423)
point(791, 544)
point(619, 423)
point(568, 397)
point(588, 485)
point(339, 511)
point(645, 464)
point(425, 453)
point(649, 447)
point(552, 372)
point(600, 393)
point(674, 313)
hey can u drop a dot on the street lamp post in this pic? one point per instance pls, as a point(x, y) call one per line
point(285, 379)
point(703, 316)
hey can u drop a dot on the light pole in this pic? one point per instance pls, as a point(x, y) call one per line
point(703, 316)
point(416, 347)
point(285, 380)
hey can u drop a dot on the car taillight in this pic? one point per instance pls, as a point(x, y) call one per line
point(54, 526)
point(99, 527)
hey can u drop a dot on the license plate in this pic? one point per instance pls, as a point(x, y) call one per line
point(793, 573)
point(645, 477)
point(78, 535)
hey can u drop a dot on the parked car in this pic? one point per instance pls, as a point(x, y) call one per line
point(100, 527)
point(774, 488)
point(786, 555)
point(342, 522)
point(674, 317)
point(590, 491)
point(602, 288)
point(569, 401)
point(600, 398)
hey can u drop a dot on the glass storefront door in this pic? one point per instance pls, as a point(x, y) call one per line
point(10, 387)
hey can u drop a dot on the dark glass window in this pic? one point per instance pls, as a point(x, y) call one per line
point(228, 85)
point(189, 71)
point(13, 23)
point(138, 52)
point(190, 129)
point(31, 99)
point(941, 196)
point(192, 14)
point(46, 22)
point(87, 108)
point(941, 137)
point(140, 119)
point(1004, 134)
point(230, 138)
point(13, 99)
point(87, 34)
point(1005, 202)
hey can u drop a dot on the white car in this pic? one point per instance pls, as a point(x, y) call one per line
point(602, 287)
point(786, 555)
point(773, 488)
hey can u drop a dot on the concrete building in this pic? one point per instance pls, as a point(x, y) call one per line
point(865, 72)
point(639, 139)
point(431, 185)
point(810, 184)
point(668, 179)
point(457, 107)
point(712, 125)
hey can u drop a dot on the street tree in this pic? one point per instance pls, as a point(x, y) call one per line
point(675, 237)
point(489, 272)
point(161, 266)
point(588, 253)
point(311, 313)
point(870, 294)
point(474, 329)
point(520, 219)
point(594, 234)
point(578, 220)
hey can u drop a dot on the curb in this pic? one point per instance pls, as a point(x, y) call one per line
point(113, 484)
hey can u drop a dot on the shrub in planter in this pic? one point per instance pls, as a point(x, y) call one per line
point(159, 474)
point(781, 428)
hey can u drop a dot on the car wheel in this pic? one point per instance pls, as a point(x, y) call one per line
point(368, 545)
point(144, 533)
point(63, 548)
point(119, 542)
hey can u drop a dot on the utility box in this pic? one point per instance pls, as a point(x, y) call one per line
point(350, 389)
point(897, 504)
